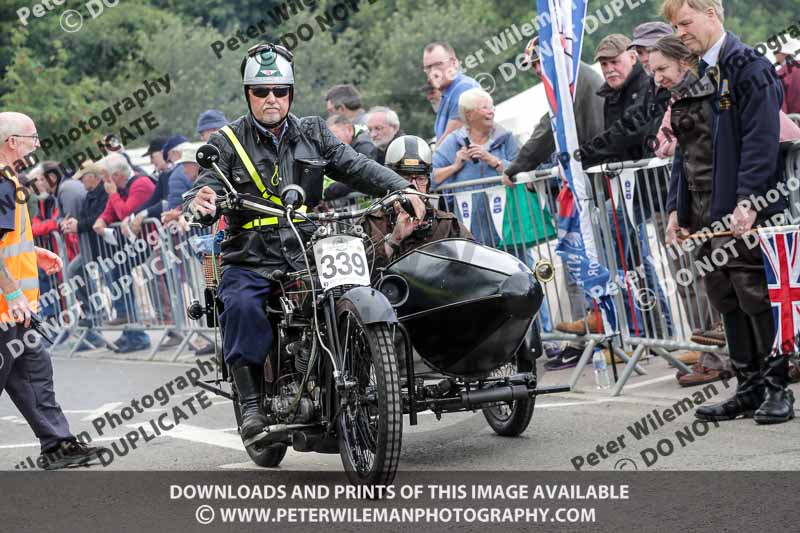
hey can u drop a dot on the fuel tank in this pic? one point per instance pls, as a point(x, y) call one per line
point(467, 307)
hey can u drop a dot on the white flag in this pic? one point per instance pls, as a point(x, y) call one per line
point(464, 208)
point(627, 181)
point(497, 205)
point(541, 194)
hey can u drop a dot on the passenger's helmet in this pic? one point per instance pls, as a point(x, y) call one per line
point(409, 155)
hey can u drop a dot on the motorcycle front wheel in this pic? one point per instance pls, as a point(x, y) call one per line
point(370, 422)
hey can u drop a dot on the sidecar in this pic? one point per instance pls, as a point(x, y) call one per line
point(467, 312)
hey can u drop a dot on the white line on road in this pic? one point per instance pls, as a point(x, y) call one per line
point(36, 444)
point(567, 404)
point(649, 382)
point(94, 360)
point(214, 437)
point(98, 412)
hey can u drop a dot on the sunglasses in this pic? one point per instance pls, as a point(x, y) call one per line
point(263, 92)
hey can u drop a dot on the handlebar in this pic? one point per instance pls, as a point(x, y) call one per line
point(208, 156)
point(233, 201)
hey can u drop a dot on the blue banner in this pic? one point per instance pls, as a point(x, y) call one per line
point(560, 41)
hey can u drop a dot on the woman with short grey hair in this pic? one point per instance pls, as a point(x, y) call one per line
point(479, 149)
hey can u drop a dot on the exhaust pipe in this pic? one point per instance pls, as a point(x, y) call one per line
point(506, 393)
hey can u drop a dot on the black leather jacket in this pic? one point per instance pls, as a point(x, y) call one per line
point(307, 151)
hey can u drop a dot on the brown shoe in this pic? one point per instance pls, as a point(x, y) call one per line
point(119, 321)
point(711, 337)
point(689, 358)
point(595, 322)
point(700, 376)
point(579, 327)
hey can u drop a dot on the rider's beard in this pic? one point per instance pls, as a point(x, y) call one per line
point(270, 116)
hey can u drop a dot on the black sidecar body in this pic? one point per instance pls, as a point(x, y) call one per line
point(467, 308)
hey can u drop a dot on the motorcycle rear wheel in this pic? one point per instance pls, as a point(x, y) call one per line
point(267, 456)
point(370, 423)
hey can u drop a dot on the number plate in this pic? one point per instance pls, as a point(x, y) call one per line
point(341, 260)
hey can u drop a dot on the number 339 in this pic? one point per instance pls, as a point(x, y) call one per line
point(342, 264)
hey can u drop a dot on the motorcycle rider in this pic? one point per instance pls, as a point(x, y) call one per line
point(261, 153)
point(393, 236)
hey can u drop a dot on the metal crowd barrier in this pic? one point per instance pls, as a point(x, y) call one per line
point(627, 208)
point(661, 298)
point(137, 286)
point(55, 304)
point(791, 152)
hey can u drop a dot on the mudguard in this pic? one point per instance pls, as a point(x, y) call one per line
point(371, 305)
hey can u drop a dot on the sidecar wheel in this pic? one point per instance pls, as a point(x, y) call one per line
point(268, 456)
point(370, 423)
point(510, 419)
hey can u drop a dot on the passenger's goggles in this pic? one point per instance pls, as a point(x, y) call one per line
point(262, 92)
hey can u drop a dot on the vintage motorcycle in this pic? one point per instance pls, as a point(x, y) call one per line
point(333, 382)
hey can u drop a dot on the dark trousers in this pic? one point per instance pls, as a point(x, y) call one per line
point(738, 290)
point(28, 379)
point(246, 331)
point(740, 282)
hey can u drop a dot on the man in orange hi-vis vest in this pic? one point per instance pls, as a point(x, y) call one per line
point(26, 371)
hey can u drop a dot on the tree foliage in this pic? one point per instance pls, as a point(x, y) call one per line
point(59, 77)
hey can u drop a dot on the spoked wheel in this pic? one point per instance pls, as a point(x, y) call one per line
point(370, 423)
point(509, 419)
point(269, 455)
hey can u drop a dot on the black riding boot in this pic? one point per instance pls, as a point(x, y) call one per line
point(746, 364)
point(778, 406)
point(248, 379)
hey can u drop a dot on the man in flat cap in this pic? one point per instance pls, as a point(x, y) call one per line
point(646, 35)
point(628, 111)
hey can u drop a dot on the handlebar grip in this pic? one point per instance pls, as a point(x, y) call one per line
point(408, 206)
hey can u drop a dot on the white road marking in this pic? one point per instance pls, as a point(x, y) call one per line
point(15, 420)
point(568, 404)
point(93, 360)
point(36, 444)
point(214, 437)
point(106, 407)
point(648, 382)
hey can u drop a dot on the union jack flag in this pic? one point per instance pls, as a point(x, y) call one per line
point(782, 266)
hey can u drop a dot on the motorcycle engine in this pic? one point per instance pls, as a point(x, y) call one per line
point(282, 402)
point(301, 351)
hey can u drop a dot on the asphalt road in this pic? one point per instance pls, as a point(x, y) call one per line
point(565, 430)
